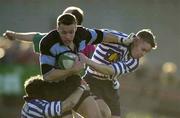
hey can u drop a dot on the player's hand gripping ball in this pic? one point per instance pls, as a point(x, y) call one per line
point(66, 61)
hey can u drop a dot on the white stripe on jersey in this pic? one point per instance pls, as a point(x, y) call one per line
point(52, 108)
point(35, 107)
point(34, 113)
point(24, 114)
point(46, 111)
point(58, 108)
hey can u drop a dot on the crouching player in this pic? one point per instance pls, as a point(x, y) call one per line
point(37, 105)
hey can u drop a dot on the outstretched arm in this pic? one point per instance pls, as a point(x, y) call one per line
point(115, 69)
point(11, 35)
point(102, 68)
point(30, 37)
point(118, 37)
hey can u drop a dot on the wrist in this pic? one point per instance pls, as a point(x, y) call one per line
point(14, 36)
point(89, 62)
point(82, 88)
point(120, 40)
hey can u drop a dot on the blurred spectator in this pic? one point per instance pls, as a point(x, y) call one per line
point(14, 52)
point(168, 74)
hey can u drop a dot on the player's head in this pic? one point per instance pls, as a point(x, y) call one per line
point(143, 43)
point(33, 86)
point(67, 26)
point(77, 12)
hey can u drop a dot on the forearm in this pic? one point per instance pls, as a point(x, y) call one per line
point(102, 68)
point(117, 38)
point(57, 74)
point(111, 38)
point(72, 100)
point(28, 37)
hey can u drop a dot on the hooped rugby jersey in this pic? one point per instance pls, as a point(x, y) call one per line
point(116, 55)
point(37, 108)
point(51, 46)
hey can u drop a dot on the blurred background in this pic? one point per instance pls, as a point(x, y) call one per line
point(153, 91)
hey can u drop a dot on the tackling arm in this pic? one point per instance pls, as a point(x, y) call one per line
point(115, 69)
point(102, 68)
point(110, 37)
point(73, 99)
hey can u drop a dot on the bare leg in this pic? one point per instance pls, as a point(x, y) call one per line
point(89, 108)
point(105, 110)
point(76, 115)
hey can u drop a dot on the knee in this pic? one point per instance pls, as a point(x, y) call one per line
point(104, 108)
point(106, 113)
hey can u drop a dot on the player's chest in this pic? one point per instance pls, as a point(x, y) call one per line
point(113, 53)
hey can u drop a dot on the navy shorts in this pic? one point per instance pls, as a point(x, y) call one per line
point(103, 90)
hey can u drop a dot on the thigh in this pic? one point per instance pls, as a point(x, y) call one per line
point(72, 114)
point(89, 108)
point(76, 115)
point(105, 110)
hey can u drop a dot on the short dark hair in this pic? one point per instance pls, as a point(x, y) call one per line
point(66, 19)
point(33, 86)
point(77, 12)
point(148, 36)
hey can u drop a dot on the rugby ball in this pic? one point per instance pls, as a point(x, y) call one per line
point(66, 60)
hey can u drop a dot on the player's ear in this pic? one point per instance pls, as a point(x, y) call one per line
point(137, 39)
point(57, 28)
point(75, 27)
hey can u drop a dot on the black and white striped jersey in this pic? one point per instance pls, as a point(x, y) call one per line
point(116, 55)
point(37, 108)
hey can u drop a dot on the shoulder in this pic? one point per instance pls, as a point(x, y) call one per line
point(82, 33)
point(81, 30)
point(50, 39)
point(115, 32)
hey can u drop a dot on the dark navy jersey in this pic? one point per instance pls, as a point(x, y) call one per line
point(51, 46)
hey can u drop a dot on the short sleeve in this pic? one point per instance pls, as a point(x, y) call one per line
point(36, 40)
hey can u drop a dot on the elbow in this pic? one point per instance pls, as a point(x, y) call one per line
point(47, 77)
point(110, 71)
point(72, 104)
point(69, 105)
